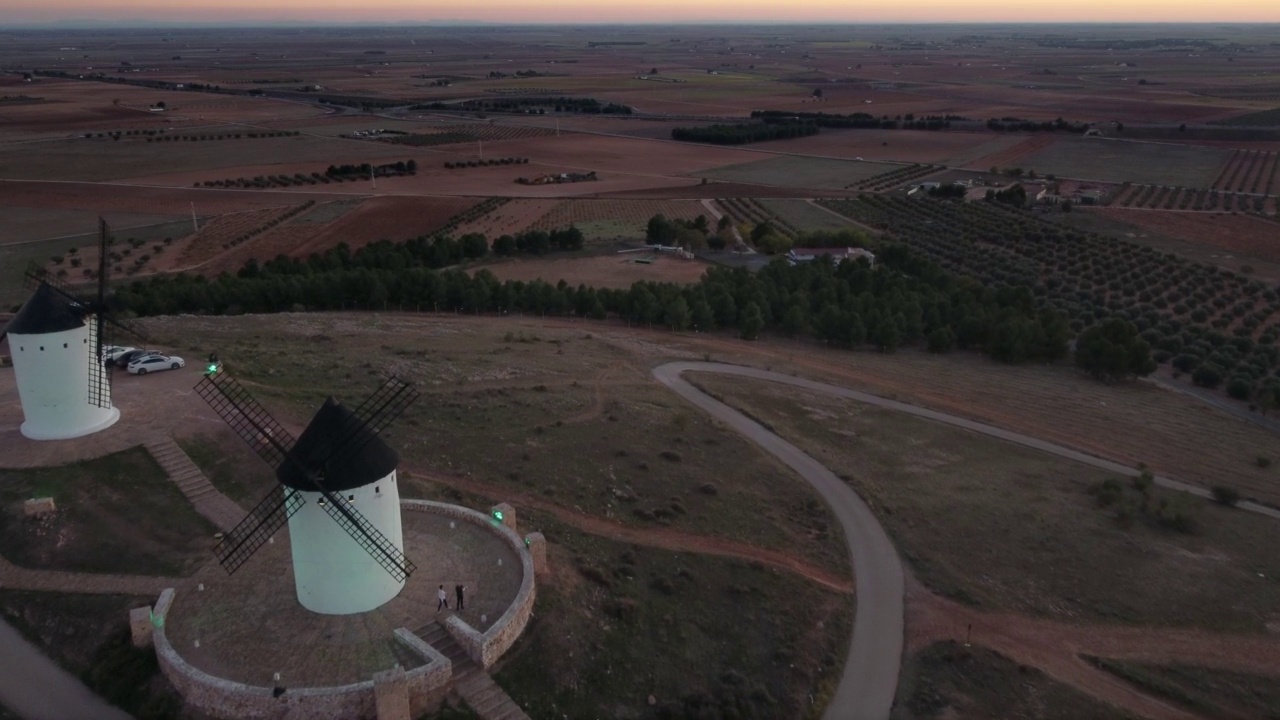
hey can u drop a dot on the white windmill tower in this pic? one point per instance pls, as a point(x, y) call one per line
point(338, 494)
point(56, 344)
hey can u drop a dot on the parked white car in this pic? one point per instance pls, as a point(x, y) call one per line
point(154, 362)
point(111, 352)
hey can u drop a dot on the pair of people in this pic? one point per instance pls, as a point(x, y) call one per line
point(442, 598)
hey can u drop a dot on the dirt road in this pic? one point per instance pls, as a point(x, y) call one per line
point(870, 678)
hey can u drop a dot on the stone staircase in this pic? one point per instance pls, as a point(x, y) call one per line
point(475, 686)
point(204, 497)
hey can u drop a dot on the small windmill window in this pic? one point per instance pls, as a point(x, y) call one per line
point(64, 345)
point(377, 490)
point(351, 498)
point(41, 348)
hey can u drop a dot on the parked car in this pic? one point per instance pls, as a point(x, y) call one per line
point(111, 352)
point(123, 359)
point(154, 362)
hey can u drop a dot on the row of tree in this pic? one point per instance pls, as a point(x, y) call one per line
point(1011, 124)
point(859, 120)
point(743, 133)
point(906, 300)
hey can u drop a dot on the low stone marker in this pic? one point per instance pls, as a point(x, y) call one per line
point(507, 513)
point(391, 694)
point(39, 507)
point(537, 545)
point(140, 626)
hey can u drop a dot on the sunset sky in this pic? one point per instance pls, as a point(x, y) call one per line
point(638, 11)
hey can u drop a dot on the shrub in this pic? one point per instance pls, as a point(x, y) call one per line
point(1224, 495)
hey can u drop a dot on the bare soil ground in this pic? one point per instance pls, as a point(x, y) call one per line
point(1227, 236)
point(107, 199)
point(942, 148)
point(513, 217)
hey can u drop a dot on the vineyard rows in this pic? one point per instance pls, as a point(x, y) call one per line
point(1249, 171)
point(894, 178)
point(751, 211)
point(1215, 324)
point(227, 231)
point(473, 213)
point(1155, 197)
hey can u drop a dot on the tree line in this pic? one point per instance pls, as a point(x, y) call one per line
point(905, 301)
point(743, 133)
point(859, 120)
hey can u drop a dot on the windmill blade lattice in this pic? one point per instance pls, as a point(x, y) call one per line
point(265, 520)
point(368, 537)
point(375, 414)
point(246, 417)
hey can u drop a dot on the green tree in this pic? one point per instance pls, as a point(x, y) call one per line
point(677, 315)
point(751, 322)
point(1113, 350)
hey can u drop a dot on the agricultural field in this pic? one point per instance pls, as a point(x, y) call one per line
point(177, 164)
point(388, 218)
point(511, 218)
point(616, 219)
point(804, 216)
point(224, 232)
point(1249, 171)
point(1109, 160)
point(1241, 242)
point(955, 149)
point(799, 172)
point(1219, 327)
point(24, 224)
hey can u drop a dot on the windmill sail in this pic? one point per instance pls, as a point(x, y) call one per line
point(263, 521)
point(374, 542)
point(246, 417)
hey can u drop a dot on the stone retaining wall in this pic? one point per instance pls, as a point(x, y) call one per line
point(239, 701)
point(485, 648)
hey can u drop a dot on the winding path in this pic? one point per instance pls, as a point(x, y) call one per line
point(870, 678)
point(869, 682)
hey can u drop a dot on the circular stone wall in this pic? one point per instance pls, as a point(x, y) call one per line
point(229, 643)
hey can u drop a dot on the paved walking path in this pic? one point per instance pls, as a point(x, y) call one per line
point(870, 678)
point(35, 688)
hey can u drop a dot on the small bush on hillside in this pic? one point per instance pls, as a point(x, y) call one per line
point(1225, 495)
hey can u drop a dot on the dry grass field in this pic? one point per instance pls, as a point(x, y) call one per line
point(1109, 160)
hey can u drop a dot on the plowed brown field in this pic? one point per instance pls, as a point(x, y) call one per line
point(392, 218)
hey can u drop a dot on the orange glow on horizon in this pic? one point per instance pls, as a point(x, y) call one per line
point(648, 11)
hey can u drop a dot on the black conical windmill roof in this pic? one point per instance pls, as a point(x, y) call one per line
point(372, 461)
point(46, 311)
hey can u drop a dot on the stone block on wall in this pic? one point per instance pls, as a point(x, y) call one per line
point(140, 626)
point(508, 514)
point(537, 545)
point(391, 694)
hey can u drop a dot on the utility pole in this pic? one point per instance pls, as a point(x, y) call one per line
point(194, 224)
point(481, 144)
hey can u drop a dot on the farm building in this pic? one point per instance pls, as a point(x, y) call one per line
point(795, 256)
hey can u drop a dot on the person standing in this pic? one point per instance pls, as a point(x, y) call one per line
point(443, 599)
point(457, 589)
